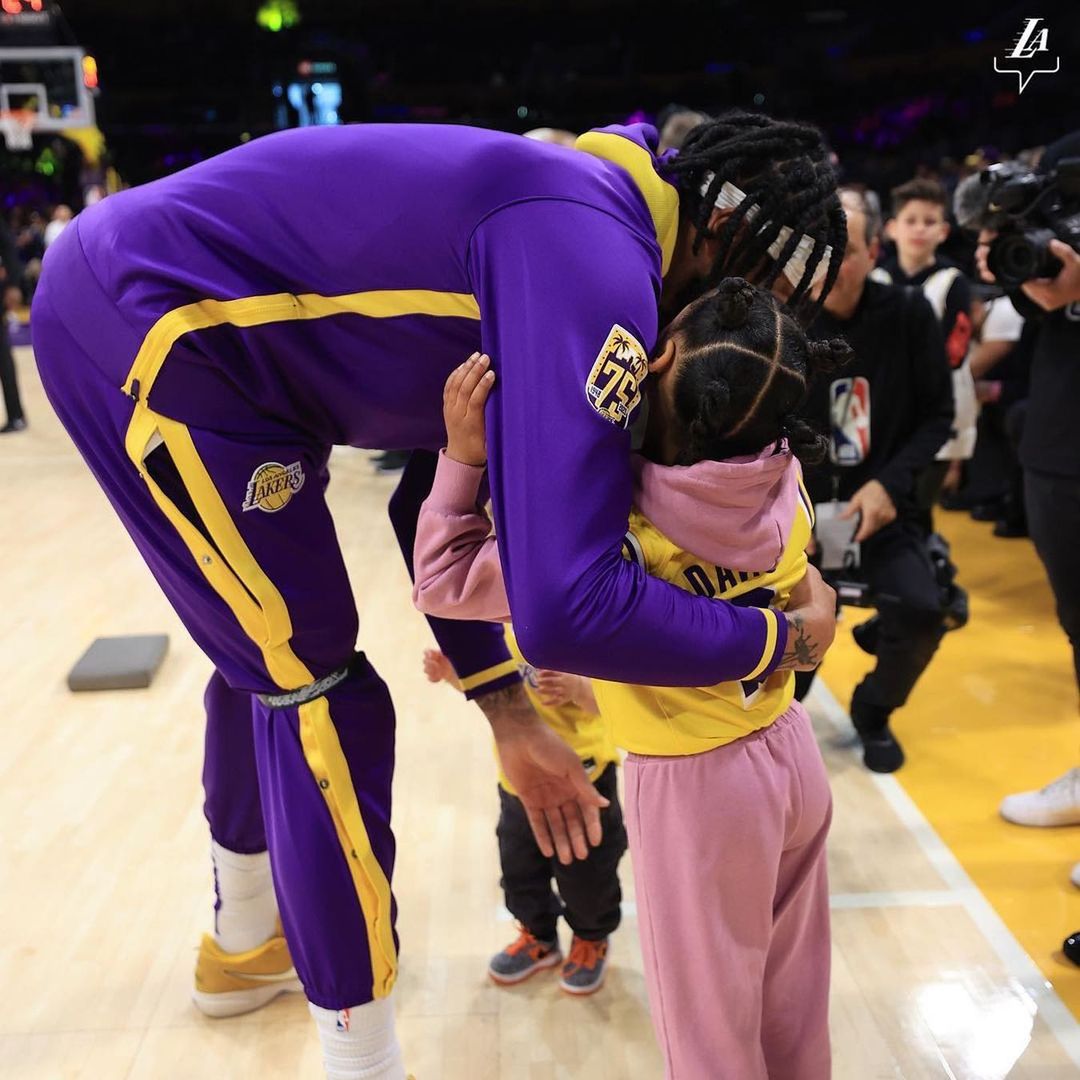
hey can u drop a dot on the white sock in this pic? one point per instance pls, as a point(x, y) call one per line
point(246, 912)
point(359, 1043)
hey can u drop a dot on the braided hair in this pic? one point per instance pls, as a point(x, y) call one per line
point(746, 368)
point(784, 167)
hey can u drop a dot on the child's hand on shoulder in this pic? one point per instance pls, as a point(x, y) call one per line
point(556, 688)
point(437, 667)
point(464, 396)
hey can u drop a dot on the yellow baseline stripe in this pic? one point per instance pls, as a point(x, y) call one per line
point(770, 642)
point(327, 763)
point(994, 713)
point(497, 671)
point(286, 307)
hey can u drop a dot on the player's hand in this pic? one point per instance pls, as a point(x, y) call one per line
point(873, 502)
point(1053, 293)
point(562, 805)
point(463, 410)
point(437, 667)
point(811, 618)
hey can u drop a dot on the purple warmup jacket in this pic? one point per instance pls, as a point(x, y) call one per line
point(331, 278)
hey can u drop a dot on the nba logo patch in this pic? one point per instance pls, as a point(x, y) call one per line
point(344, 1019)
point(849, 404)
point(613, 387)
point(272, 485)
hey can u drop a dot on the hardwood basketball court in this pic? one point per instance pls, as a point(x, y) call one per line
point(104, 868)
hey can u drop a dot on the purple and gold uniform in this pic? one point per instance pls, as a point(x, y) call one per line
point(698, 719)
point(207, 338)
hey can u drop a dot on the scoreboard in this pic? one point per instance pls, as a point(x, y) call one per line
point(17, 16)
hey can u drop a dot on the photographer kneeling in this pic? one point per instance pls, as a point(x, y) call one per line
point(887, 414)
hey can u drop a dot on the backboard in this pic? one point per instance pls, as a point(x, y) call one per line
point(49, 83)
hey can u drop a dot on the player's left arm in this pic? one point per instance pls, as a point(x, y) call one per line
point(477, 650)
point(560, 802)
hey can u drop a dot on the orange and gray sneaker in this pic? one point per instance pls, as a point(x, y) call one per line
point(583, 972)
point(523, 957)
point(228, 984)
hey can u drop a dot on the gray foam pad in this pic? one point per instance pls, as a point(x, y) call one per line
point(119, 663)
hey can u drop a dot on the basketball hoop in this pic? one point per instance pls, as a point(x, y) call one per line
point(18, 128)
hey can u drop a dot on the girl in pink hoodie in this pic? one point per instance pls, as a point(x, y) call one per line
point(727, 801)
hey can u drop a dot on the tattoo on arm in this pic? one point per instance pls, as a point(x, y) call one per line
point(801, 652)
point(508, 703)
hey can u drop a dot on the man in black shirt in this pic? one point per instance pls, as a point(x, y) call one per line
point(888, 414)
point(1050, 456)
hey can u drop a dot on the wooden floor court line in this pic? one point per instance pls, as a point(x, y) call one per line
point(1049, 1005)
point(104, 883)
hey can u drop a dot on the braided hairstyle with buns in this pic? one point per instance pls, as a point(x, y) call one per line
point(785, 169)
point(745, 369)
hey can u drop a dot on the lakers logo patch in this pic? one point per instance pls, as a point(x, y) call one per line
point(272, 485)
point(614, 384)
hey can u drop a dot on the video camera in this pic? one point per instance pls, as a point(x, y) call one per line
point(852, 589)
point(1027, 210)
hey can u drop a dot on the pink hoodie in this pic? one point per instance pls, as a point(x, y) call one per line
point(736, 514)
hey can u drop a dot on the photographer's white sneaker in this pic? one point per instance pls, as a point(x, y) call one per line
point(1056, 804)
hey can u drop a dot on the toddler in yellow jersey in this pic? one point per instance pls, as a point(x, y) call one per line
point(727, 800)
point(589, 894)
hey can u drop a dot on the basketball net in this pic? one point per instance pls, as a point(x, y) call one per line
point(18, 128)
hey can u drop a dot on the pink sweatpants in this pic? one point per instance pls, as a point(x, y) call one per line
point(733, 904)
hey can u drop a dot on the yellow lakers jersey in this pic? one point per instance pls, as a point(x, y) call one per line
point(587, 734)
point(678, 720)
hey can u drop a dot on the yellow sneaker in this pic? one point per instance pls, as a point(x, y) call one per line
point(228, 984)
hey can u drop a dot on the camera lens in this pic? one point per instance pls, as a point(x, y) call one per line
point(1019, 257)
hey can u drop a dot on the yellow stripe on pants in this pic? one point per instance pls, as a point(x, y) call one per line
point(324, 756)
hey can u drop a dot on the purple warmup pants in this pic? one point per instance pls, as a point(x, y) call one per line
point(265, 594)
